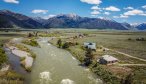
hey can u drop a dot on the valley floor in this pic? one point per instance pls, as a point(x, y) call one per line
point(122, 45)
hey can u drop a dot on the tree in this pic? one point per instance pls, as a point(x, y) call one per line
point(30, 35)
point(87, 61)
point(65, 45)
point(89, 57)
point(89, 53)
point(59, 43)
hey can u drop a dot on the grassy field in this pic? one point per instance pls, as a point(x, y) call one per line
point(117, 41)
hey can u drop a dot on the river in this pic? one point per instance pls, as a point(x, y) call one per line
point(57, 66)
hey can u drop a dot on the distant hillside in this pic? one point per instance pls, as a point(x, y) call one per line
point(75, 21)
point(10, 19)
point(141, 26)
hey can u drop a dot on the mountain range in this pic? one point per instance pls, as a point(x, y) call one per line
point(9, 19)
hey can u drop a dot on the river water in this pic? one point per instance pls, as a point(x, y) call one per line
point(57, 66)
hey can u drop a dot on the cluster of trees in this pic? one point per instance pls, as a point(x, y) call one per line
point(33, 34)
point(62, 45)
point(88, 57)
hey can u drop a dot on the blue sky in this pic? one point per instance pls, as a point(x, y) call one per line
point(131, 11)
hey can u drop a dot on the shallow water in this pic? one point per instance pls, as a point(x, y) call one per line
point(15, 62)
point(57, 66)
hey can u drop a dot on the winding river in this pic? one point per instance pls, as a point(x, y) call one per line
point(57, 66)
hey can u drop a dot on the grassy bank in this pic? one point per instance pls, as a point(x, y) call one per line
point(31, 42)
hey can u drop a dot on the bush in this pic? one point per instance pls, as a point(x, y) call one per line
point(28, 69)
point(33, 55)
point(22, 58)
point(65, 45)
point(129, 39)
point(3, 57)
point(59, 43)
point(107, 76)
point(11, 75)
point(31, 42)
point(77, 43)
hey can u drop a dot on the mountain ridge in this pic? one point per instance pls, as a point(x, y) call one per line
point(9, 19)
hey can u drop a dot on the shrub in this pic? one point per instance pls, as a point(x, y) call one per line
point(22, 58)
point(65, 45)
point(28, 69)
point(11, 75)
point(33, 55)
point(31, 42)
point(59, 43)
point(3, 57)
point(107, 76)
point(129, 39)
point(77, 43)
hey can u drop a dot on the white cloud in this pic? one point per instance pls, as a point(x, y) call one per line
point(49, 16)
point(134, 12)
point(92, 1)
point(107, 13)
point(131, 13)
point(95, 12)
point(144, 6)
point(129, 8)
point(36, 11)
point(144, 14)
point(112, 8)
point(12, 1)
point(115, 16)
point(121, 16)
point(95, 8)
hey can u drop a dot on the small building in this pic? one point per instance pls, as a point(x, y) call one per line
point(90, 45)
point(107, 59)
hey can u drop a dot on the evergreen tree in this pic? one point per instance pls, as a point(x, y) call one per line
point(59, 43)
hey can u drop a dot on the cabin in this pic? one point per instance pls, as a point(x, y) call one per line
point(90, 45)
point(107, 59)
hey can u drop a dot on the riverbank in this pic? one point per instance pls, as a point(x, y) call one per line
point(7, 74)
point(26, 56)
point(57, 66)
